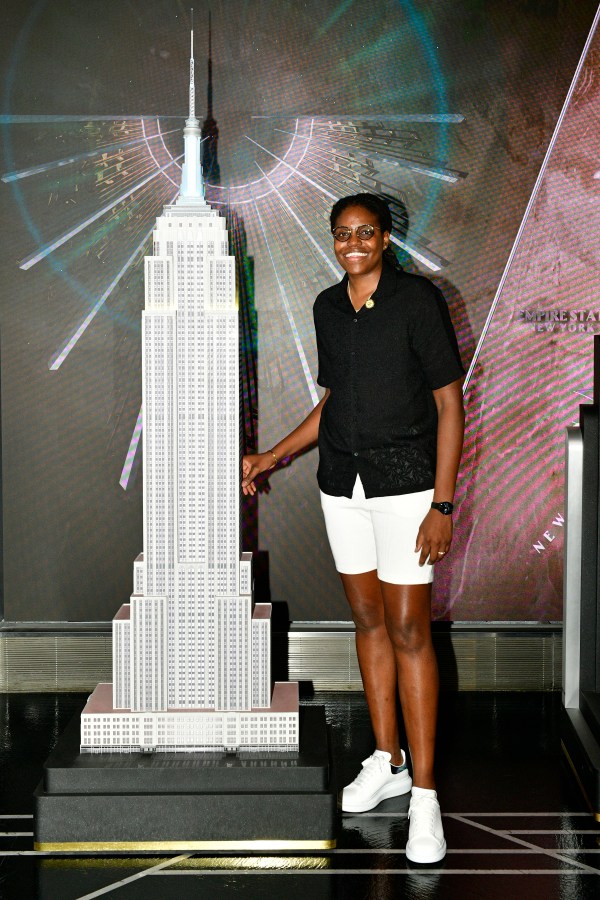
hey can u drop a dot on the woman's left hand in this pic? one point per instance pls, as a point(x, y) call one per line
point(434, 537)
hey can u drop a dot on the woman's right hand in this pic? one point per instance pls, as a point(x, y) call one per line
point(252, 465)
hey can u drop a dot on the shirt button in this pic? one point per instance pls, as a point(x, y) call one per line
point(355, 454)
point(355, 320)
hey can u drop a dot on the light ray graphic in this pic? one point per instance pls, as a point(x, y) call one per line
point(431, 260)
point(149, 148)
point(57, 361)
point(161, 135)
point(6, 119)
point(241, 194)
point(439, 118)
point(295, 334)
point(78, 157)
point(294, 170)
point(417, 22)
point(30, 261)
point(410, 248)
point(325, 158)
point(333, 18)
point(334, 269)
point(401, 162)
point(131, 452)
point(427, 257)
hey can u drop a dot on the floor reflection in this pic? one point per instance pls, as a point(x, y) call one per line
point(514, 820)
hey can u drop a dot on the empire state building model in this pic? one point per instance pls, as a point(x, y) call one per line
point(191, 651)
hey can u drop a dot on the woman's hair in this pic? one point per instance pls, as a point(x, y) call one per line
point(374, 204)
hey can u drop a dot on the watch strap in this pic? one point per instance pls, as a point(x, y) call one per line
point(445, 507)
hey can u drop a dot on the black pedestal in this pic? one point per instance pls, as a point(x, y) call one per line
point(163, 802)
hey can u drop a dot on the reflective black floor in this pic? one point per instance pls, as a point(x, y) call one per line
point(515, 822)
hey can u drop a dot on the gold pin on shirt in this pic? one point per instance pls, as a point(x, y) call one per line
point(370, 303)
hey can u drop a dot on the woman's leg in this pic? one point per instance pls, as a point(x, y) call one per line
point(407, 613)
point(376, 658)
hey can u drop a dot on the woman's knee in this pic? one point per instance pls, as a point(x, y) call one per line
point(408, 634)
point(365, 601)
point(408, 616)
point(367, 614)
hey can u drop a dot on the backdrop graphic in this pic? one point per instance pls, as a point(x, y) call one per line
point(447, 108)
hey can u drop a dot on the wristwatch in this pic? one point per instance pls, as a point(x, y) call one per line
point(445, 507)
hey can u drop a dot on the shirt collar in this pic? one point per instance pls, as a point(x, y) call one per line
point(385, 287)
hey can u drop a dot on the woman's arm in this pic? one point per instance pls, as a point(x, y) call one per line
point(301, 437)
point(435, 533)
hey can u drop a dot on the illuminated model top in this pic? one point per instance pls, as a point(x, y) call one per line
point(191, 651)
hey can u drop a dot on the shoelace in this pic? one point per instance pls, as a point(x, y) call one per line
point(422, 808)
point(370, 767)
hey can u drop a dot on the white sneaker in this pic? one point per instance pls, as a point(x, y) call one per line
point(426, 843)
point(375, 782)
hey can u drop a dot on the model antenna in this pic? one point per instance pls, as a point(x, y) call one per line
point(192, 85)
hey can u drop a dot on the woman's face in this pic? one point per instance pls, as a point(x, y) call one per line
point(360, 256)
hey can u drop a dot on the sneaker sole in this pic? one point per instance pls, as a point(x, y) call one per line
point(384, 793)
point(416, 858)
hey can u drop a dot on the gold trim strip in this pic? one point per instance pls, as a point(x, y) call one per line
point(168, 846)
point(596, 815)
point(230, 862)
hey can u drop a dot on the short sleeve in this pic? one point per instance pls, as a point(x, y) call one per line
point(323, 374)
point(433, 338)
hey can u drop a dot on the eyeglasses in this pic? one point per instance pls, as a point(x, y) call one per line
point(363, 232)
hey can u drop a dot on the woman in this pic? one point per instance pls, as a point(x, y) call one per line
point(389, 428)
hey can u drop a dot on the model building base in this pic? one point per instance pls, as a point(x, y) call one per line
point(108, 730)
point(161, 802)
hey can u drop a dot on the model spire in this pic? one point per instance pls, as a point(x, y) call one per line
point(192, 185)
point(192, 83)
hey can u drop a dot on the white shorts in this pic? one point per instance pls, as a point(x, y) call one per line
point(379, 533)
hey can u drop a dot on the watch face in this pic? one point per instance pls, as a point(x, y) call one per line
point(444, 507)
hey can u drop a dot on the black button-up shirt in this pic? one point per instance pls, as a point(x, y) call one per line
point(381, 366)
